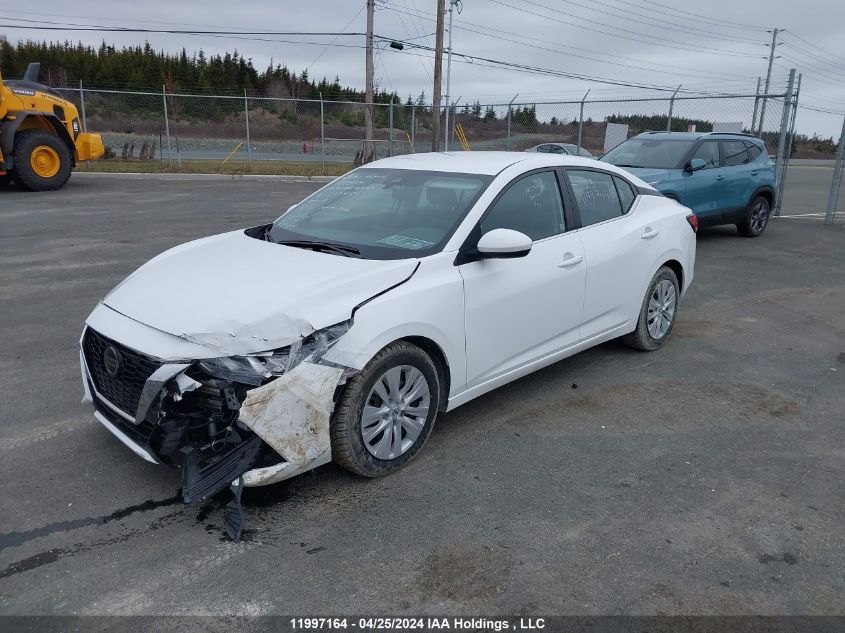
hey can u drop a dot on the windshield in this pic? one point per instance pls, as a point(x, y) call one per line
point(383, 213)
point(652, 153)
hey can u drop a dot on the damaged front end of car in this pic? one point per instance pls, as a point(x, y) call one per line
point(225, 422)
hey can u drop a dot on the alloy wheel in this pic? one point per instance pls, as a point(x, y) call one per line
point(759, 215)
point(395, 412)
point(661, 309)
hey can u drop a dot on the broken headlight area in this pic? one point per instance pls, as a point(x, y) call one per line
point(258, 369)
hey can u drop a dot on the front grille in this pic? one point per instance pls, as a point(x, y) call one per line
point(124, 389)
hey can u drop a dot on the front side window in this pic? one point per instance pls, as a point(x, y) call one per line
point(595, 194)
point(734, 153)
point(530, 205)
point(709, 153)
point(384, 213)
point(649, 152)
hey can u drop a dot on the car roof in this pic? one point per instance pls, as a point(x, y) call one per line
point(489, 163)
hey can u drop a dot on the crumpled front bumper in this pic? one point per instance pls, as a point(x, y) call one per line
point(291, 414)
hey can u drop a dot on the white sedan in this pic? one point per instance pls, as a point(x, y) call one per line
point(403, 289)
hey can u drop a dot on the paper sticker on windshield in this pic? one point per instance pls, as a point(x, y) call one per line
point(402, 241)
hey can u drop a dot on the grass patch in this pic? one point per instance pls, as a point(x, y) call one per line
point(233, 167)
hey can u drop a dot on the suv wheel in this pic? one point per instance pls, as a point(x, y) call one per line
point(756, 219)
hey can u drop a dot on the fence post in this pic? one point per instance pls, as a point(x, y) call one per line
point(794, 114)
point(322, 136)
point(837, 178)
point(82, 107)
point(581, 117)
point(784, 129)
point(248, 144)
point(510, 107)
point(756, 105)
point(390, 129)
point(671, 108)
point(167, 125)
point(413, 127)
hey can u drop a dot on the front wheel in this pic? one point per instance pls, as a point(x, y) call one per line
point(657, 313)
point(386, 412)
point(757, 218)
point(42, 161)
point(5, 179)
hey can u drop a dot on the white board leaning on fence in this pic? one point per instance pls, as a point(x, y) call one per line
point(614, 135)
point(728, 127)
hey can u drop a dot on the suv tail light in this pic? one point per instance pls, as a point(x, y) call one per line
point(693, 222)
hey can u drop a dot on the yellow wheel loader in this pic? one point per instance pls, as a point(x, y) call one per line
point(41, 138)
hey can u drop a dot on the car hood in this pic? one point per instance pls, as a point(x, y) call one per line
point(239, 295)
point(649, 174)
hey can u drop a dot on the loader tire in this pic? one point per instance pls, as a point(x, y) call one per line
point(42, 161)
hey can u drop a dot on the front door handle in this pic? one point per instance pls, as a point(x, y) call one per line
point(720, 177)
point(754, 173)
point(570, 260)
point(649, 233)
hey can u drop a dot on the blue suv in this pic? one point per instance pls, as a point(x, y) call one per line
point(724, 178)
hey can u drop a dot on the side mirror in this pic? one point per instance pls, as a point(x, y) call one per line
point(695, 164)
point(504, 243)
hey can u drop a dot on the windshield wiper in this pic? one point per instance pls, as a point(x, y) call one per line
point(624, 165)
point(340, 249)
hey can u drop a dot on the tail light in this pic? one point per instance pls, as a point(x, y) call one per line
point(693, 222)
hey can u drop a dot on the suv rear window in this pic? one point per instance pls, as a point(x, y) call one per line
point(734, 153)
point(754, 150)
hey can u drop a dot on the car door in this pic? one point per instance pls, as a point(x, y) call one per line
point(621, 244)
point(738, 181)
point(705, 188)
point(523, 309)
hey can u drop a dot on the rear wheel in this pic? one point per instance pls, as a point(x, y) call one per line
point(757, 218)
point(386, 412)
point(42, 161)
point(657, 313)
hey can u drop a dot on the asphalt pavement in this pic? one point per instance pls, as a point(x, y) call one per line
point(705, 478)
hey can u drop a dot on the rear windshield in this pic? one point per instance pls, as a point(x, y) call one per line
point(651, 153)
point(384, 213)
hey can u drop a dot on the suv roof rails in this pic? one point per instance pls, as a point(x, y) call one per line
point(732, 134)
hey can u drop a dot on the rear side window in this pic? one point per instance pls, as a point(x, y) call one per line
point(626, 193)
point(734, 153)
point(531, 205)
point(595, 194)
point(753, 150)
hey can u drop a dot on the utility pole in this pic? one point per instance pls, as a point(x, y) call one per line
point(370, 71)
point(452, 4)
point(438, 71)
point(768, 81)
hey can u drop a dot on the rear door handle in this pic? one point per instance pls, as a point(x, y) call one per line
point(649, 233)
point(754, 173)
point(570, 260)
point(720, 177)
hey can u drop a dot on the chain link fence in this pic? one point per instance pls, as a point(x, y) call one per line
point(173, 128)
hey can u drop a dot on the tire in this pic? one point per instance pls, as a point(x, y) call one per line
point(5, 180)
point(757, 218)
point(651, 336)
point(42, 161)
point(358, 444)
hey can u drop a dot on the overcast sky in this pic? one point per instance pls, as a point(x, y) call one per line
point(696, 44)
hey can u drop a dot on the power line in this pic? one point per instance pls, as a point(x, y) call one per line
point(698, 17)
point(795, 35)
point(463, 26)
point(659, 41)
point(650, 21)
point(329, 45)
